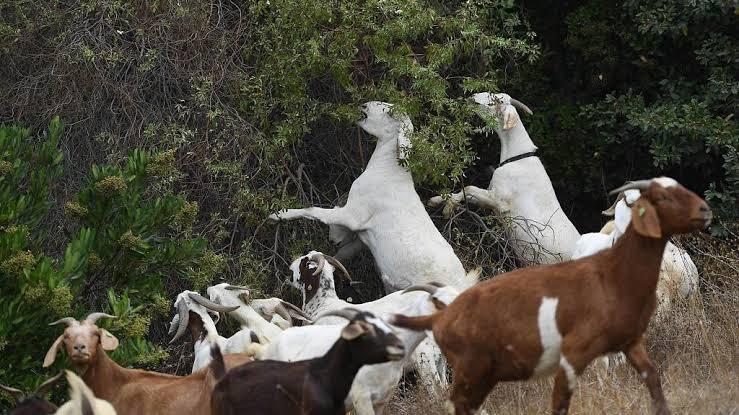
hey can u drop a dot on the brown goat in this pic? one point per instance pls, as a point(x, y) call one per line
point(550, 319)
point(132, 391)
point(35, 403)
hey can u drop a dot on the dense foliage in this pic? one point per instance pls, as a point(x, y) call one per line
point(188, 122)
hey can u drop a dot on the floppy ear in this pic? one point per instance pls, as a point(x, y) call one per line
point(107, 340)
point(645, 220)
point(53, 350)
point(510, 118)
point(352, 331)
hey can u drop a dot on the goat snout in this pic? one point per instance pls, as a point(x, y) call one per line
point(706, 214)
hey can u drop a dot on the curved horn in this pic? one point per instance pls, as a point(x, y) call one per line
point(210, 304)
point(43, 389)
point(321, 262)
point(92, 318)
point(337, 264)
point(422, 287)
point(236, 287)
point(520, 105)
point(612, 210)
point(347, 313)
point(636, 184)
point(69, 321)
point(183, 321)
point(292, 308)
point(17, 394)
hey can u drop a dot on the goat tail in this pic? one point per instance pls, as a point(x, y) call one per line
point(474, 275)
point(255, 350)
point(216, 364)
point(413, 323)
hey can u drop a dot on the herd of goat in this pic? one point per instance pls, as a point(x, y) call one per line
point(578, 298)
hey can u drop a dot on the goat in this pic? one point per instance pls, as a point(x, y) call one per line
point(387, 215)
point(193, 312)
point(314, 275)
point(540, 320)
point(238, 296)
point(520, 190)
point(131, 391)
point(678, 275)
point(279, 312)
point(34, 403)
point(82, 400)
point(314, 386)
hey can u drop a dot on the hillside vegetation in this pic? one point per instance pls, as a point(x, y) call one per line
point(144, 143)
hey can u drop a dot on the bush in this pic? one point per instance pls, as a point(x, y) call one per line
point(130, 240)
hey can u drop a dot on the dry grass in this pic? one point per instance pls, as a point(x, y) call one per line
point(696, 352)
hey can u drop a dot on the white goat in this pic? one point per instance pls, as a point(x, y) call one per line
point(239, 297)
point(520, 190)
point(204, 331)
point(678, 275)
point(82, 401)
point(374, 384)
point(279, 312)
point(313, 275)
point(384, 210)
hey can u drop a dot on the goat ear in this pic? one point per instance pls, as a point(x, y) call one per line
point(107, 340)
point(645, 220)
point(510, 119)
point(352, 331)
point(53, 350)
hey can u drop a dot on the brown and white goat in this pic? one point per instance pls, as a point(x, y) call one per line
point(317, 386)
point(131, 391)
point(557, 318)
point(35, 403)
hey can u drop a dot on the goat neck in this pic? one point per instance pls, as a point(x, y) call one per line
point(514, 141)
point(336, 370)
point(385, 157)
point(103, 375)
point(635, 262)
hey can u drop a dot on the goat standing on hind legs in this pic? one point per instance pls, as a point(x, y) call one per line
point(557, 318)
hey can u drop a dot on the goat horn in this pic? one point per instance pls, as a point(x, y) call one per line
point(236, 287)
point(69, 321)
point(92, 318)
point(612, 210)
point(17, 394)
point(520, 105)
point(321, 262)
point(183, 321)
point(210, 304)
point(347, 313)
point(422, 287)
point(636, 184)
point(43, 389)
point(296, 310)
point(337, 264)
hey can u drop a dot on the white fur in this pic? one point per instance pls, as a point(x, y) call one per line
point(237, 343)
point(374, 384)
point(78, 389)
point(551, 339)
point(427, 358)
point(521, 191)
point(666, 181)
point(245, 314)
point(569, 372)
point(384, 210)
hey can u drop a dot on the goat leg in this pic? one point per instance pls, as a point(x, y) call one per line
point(637, 355)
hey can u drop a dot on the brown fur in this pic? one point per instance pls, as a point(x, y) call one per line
point(490, 333)
point(134, 391)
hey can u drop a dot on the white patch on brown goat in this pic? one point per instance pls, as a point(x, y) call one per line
point(570, 372)
point(551, 339)
point(665, 181)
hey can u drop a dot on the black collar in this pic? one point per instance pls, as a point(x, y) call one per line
point(516, 158)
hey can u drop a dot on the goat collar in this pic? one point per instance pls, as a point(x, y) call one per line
point(516, 158)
